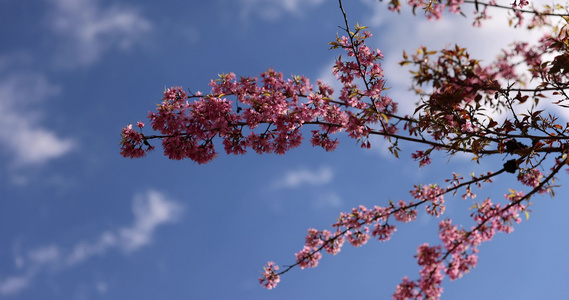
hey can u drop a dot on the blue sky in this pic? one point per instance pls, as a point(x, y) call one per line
point(78, 221)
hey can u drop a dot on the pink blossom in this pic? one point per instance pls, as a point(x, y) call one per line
point(406, 290)
point(313, 239)
point(422, 157)
point(358, 238)
point(133, 144)
point(532, 178)
point(333, 244)
point(434, 195)
point(431, 273)
point(307, 258)
point(404, 213)
point(383, 232)
point(467, 127)
point(270, 277)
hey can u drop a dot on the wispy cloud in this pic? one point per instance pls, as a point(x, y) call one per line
point(14, 284)
point(20, 131)
point(271, 10)
point(151, 210)
point(327, 199)
point(315, 181)
point(304, 176)
point(44, 254)
point(89, 29)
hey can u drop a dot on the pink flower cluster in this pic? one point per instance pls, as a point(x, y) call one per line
point(532, 178)
point(317, 240)
point(306, 258)
point(353, 227)
point(283, 106)
point(133, 144)
point(429, 285)
point(461, 249)
point(458, 254)
point(270, 278)
point(433, 195)
point(422, 157)
point(428, 257)
point(494, 218)
point(468, 127)
point(507, 64)
point(362, 223)
point(366, 67)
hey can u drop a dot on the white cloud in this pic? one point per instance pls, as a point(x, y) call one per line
point(316, 180)
point(102, 287)
point(272, 9)
point(44, 255)
point(151, 210)
point(84, 250)
point(90, 29)
point(13, 285)
point(296, 178)
point(20, 132)
point(328, 199)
